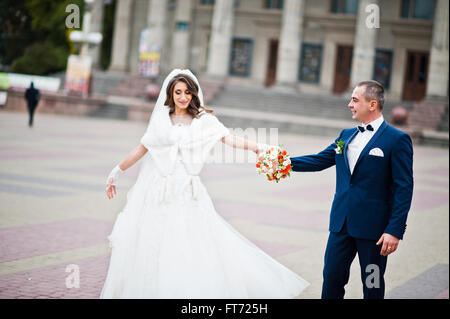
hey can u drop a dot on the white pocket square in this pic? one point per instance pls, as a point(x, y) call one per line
point(376, 152)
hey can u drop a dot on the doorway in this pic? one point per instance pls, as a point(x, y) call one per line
point(416, 75)
point(272, 63)
point(343, 68)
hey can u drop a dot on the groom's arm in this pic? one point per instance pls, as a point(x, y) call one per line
point(402, 185)
point(315, 162)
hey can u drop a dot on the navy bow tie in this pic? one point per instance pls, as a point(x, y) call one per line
point(362, 129)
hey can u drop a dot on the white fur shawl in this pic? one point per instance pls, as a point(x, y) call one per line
point(163, 144)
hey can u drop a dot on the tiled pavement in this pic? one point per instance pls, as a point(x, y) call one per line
point(54, 212)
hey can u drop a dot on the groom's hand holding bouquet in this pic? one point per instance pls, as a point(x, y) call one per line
point(273, 162)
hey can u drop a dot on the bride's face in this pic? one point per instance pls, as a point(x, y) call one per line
point(181, 95)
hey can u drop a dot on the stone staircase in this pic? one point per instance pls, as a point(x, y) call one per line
point(430, 121)
point(210, 89)
point(132, 85)
point(123, 92)
point(111, 110)
point(444, 125)
point(105, 82)
point(290, 112)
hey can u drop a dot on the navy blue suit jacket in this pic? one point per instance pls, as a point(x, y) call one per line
point(376, 198)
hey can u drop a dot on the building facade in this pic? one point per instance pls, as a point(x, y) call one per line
point(316, 46)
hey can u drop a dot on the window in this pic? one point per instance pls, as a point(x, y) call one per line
point(241, 57)
point(310, 63)
point(382, 67)
point(344, 6)
point(182, 26)
point(171, 5)
point(207, 2)
point(418, 9)
point(273, 4)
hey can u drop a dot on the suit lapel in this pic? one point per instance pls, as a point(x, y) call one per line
point(369, 144)
point(346, 146)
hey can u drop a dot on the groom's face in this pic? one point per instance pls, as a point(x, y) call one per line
point(359, 106)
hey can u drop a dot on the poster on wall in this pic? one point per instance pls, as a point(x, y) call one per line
point(149, 57)
point(310, 63)
point(78, 74)
point(241, 57)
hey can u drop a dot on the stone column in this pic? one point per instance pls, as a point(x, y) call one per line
point(290, 43)
point(121, 36)
point(364, 45)
point(328, 63)
point(220, 42)
point(140, 10)
point(437, 85)
point(181, 36)
point(157, 28)
point(96, 26)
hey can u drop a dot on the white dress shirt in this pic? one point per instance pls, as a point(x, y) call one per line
point(360, 141)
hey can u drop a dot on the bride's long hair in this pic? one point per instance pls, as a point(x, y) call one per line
point(194, 107)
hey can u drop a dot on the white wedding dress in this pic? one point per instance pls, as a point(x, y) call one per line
point(183, 248)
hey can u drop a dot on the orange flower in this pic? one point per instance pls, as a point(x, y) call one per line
point(258, 165)
point(284, 152)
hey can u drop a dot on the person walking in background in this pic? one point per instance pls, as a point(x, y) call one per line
point(32, 95)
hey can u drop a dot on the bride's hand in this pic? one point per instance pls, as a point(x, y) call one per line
point(111, 181)
point(262, 148)
point(111, 190)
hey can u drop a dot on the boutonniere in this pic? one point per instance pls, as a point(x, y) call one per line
point(340, 147)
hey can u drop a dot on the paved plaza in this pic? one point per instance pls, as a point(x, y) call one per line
point(54, 212)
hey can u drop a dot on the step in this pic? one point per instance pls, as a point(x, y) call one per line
point(434, 138)
point(444, 124)
point(292, 103)
point(111, 111)
point(286, 123)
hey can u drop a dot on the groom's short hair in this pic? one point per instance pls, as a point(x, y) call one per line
point(373, 91)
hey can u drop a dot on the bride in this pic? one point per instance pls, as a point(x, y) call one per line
point(169, 241)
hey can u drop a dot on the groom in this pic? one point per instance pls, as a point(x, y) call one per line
point(374, 186)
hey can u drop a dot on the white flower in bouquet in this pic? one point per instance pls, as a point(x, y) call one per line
point(275, 164)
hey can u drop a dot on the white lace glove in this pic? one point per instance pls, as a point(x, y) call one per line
point(114, 175)
point(262, 148)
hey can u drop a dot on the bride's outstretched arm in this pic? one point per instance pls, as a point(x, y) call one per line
point(240, 142)
point(132, 157)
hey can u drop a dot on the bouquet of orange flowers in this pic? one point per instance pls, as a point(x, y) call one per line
point(275, 164)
